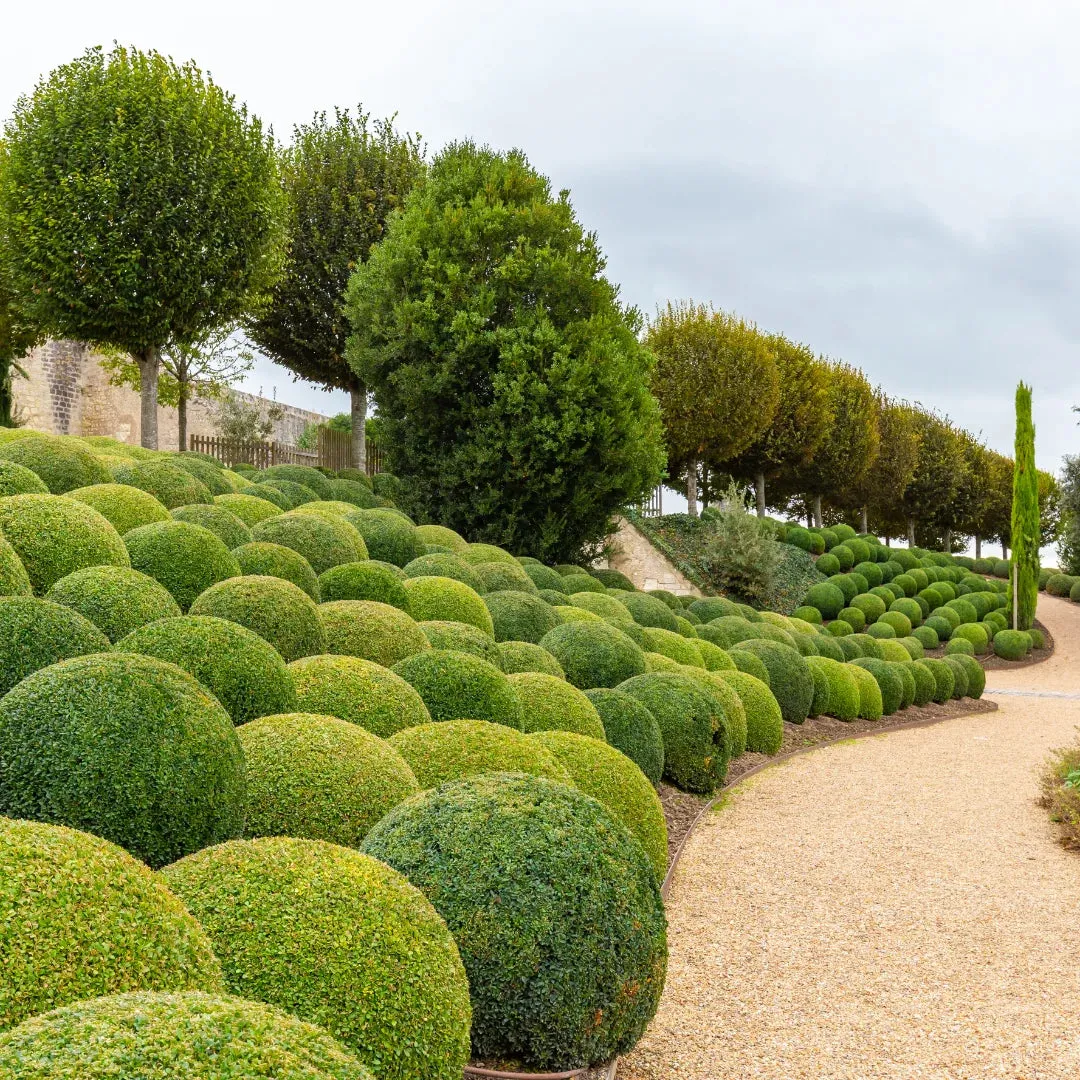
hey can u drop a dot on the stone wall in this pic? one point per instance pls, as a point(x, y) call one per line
point(68, 393)
point(633, 555)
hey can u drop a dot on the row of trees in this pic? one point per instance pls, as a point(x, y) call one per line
point(811, 435)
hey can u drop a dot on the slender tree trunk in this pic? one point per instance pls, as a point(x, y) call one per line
point(358, 409)
point(911, 532)
point(817, 511)
point(149, 363)
point(759, 493)
point(7, 396)
point(948, 541)
point(978, 546)
point(1004, 550)
point(181, 418)
point(864, 520)
point(691, 487)
point(704, 487)
point(888, 541)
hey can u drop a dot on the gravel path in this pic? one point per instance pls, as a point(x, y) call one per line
point(893, 907)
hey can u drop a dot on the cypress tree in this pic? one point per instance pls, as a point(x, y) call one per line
point(1026, 529)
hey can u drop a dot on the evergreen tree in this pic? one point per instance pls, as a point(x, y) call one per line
point(1025, 528)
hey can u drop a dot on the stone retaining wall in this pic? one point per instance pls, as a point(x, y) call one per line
point(647, 568)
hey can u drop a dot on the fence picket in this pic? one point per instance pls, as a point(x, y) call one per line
point(333, 452)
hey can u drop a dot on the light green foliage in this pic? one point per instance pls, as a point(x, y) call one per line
point(169, 484)
point(461, 637)
point(370, 630)
point(631, 728)
point(549, 703)
point(593, 654)
point(125, 507)
point(441, 598)
point(389, 536)
point(116, 599)
point(673, 645)
point(460, 686)
point(19, 480)
point(518, 616)
point(61, 464)
point(1025, 528)
point(261, 559)
point(367, 580)
point(844, 698)
point(187, 559)
point(524, 656)
point(250, 509)
point(944, 681)
point(870, 702)
point(1012, 644)
point(789, 678)
point(224, 524)
point(324, 542)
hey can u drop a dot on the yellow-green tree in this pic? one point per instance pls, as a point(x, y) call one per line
point(1025, 527)
point(937, 475)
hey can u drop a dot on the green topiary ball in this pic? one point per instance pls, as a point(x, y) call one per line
point(789, 678)
point(750, 664)
point(54, 536)
point(205, 468)
point(79, 917)
point(37, 633)
point(927, 636)
point(925, 684)
point(242, 670)
point(708, 608)
point(250, 509)
point(675, 646)
point(390, 537)
point(853, 617)
point(124, 507)
point(910, 609)
point(692, 725)
point(445, 565)
point(157, 1035)
point(611, 778)
point(648, 611)
point(870, 703)
point(944, 680)
point(975, 674)
point(320, 778)
point(888, 679)
point(353, 492)
point(631, 728)
point(460, 686)
point(594, 654)
point(1012, 644)
point(975, 634)
point(272, 907)
point(881, 629)
point(435, 599)
point(283, 495)
point(807, 614)
point(324, 542)
point(439, 753)
point(461, 637)
point(548, 960)
point(552, 704)
point(14, 580)
point(61, 464)
point(764, 722)
point(896, 650)
point(524, 656)
point(960, 677)
point(304, 475)
point(224, 524)
point(370, 630)
point(959, 645)
point(899, 622)
point(1038, 639)
point(168, 483)
point(187, 559)
point(367, 580)
point(607, 607)
point(260, 559)
point(502, 576)
point(844, 699)
point(519, 616)
point(19, 480)
point(126, 747)
point(116, 599)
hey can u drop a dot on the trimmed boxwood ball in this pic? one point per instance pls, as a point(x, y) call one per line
point(959, 645)
point(925, 684)
point(826, 597)
point(61, 464)
point(244, 672)
point(462, 637)
point(873, 607)
point(844, 697)
point(708, 608)
point(606, 607)
point(854, 617)
point(170, 485)
point(900, 623)
point(19, 480)
point(187, 559)
point(582, 582)
point(764, 722)
point(715, 658)
point(868, 645)
point(871, 571)
point(1002, 567)
point(881, 629)
point(126, 747)
point(840, 628)
point(390, 537)
point(594, 654)
point(910, 609)
point(827, 645)
point(900, 650)
point(543, 577)
point(569, 613)
point(54, 536)
point(941, 626)
point(648, 611)
point(524, 656)
point(480, 553)
point(944, 682)
point(1038, 640)
point(549, 703)
point(789, 678)
point(261, 559)
point(224, 524)
point(297, 474)
point(807, 614)
point(550, 960)
point(630, 728)
point(519, 616)
point(750, 664)
point(320, 778)
point(14, 580)
point(967, 611)
point(1012, 644)
point(674, 646)
point(156, 1035)
point(960, 679)
point(82, 918)
point(340, 940)
point(275, 609)
point(870, 703)
point(124, 507)
point(888, 680)
point(692, 726)
point(446, 565)
point(973, 632)
point(907, 583)
point(370, 630)
point(250, 509)
point(927, 636)
point(441, 535)
point(36, 633)
point(461, 686)
point(611, 778)
point(435, 599)
point(366, 580)
point(359, 691)
point(613, 579)
point(1060, 585)
point(116, 599)
point(439, 753)
point(819, 703)
point(503, 576)
point(286, 494)
point(828, 564)
point(350, 491)
point(323, 542)
point(975, 674)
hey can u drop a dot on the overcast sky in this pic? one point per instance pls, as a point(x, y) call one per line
point(895, 185)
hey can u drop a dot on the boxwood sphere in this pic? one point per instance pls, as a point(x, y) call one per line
point(843, 688)
point(80, 917)
point(649, 611)
point(366, 580)
point(925, 684)
point(631, 728)
point(881, 629)
point(320, 778)
point(692, 725)
point(594, 654)
point(870, 703)
point(944, 681)
point(960, 678)
point(607, 607)
point(873, 607)
point(550, 959)
point(124, 507)
point(543, 577)
point(460, 686)
point(1012, 644)
point(223, 523)
point(155, 1035)
point(351, 491)
point(54, 536)
point(168, 483)
point(14, 580)
point(868, 645)
point(261, 559)
point(789, 678)
point(297, 474)
point(910, 609)
point(519, 616)
point(61, 464)
point(126, 747)
point(853, 617)
point(19, 480)
point(973, 632)
point(959, 645)
point(439, 753)
point(673, 645)
point(975, 674)
point(764, 722)
point(390, 537)
point(750, 664)
point(322, 541)
point(273, 905)
point(503, 576)
point(36, 633)
point(900, 622)
point(524, 656)
point(446, 565)
point(205, 468)
point(441, 535)
point(1038, 640)
point(462, 637)
point(370, 630)
point(187, 559)
point(250, 509)
point(888, 680)
point(549, 703)
point(242, 670)
point(446, 599)
point(116, 599)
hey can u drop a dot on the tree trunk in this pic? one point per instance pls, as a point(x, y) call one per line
point(181, 419)
point(759, 493)
point(978, 546)
point(911, 532)
point(1004, 551)
point(864, 520)
point(691, 487)
point(948, 541)
point(817, 511)
point(358, 411)
point(7, 397)
point(888, 541)
point(149, 364)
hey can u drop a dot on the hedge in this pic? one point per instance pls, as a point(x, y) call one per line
point(549, 959)
point(1012, 644)
point(36, 633)
point(157, 1035)
point(320, 778)
point(447, 566)
point(124, 507)
point(262, 559)
point(944, 681)
point(843, 689)
point(435, 599)
point(630, 728)
point(461, 637)
point(250, 509)
point(519, 616)
point(692, 726)
point(789, 678)
point(370, 630)
point(168, 483)
point(517, 656)
point(116, 599)
point(870, 702)
point(460, 686)
point(60, 464)
point(126, 747)
point(340, 940)
point(594, 654)
point(54, 536)
point(244, 672)
point(439, 753)
point(366, 580)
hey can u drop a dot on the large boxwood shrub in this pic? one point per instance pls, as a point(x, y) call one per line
point(519, 616)
point(19, 480)
point(524, 656)
point(223, 523)
point(463, 638)
point(390, 537)
point(764, 721)
point(126, 747)
point(357, 494)
point(550, 959)
point(261, 559)
point(116, 599)
point(1012, 644)
point(460, 686)
point(79, 917)
point(975, 674)
point(366, 580)
point(439, 598)
point(870, 703)
point(543, 577)
point(322, 541)
point(648, 610)
point(944, 680)
point(789, 678)
point(187, 559)
point(124, 507)
point(297, 474)
point(445, 564)
point(61, 464)
point(205, 468)
point(888, 679)
point(169, 484)
point(594, 654)
point(631, 728)
point(338, 939)
point(249, 508)
point(552, 704)
point(843, 688)
point(370, 630)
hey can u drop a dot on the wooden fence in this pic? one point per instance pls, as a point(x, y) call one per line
point(333, 452)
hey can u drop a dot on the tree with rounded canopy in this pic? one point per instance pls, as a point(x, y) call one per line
point(995, 515)
point(938, 474)
point(1025, 528)
point(509, 378)
point(717, 383)
point(344, 176)
point(965, 513)
point(138, 206)
point(799, 425)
